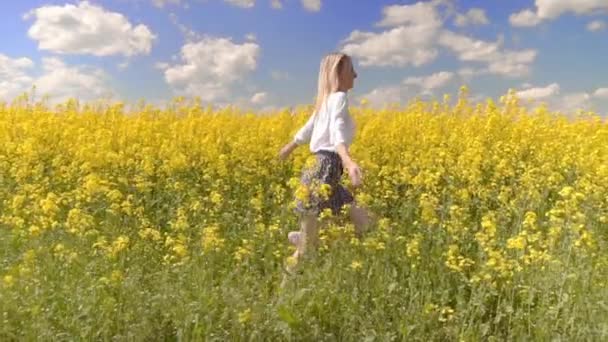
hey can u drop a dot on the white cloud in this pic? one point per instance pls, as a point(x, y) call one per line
point(525, 18)
point(418, 14)
point(87, 29)
point(414, 33)
point(512, 63)
point(499, 61)
point(385, 95)
point(400, 46)
point(162, 3)
point(474, 16)
point(58, 81)
point(596, 25)
point(312, 5)
point(189, 34)
point(551, 9)
point(276, 4)
point(539, 92)
point(209, 67)
point(469, 49)
point(434, 81)
point(14, 77)
point(573, 102)
point(567, 103)
point(62, 82)
point(242, 3)
point(259, 98)
point(409, 40)
point(251, 37)
point(601, 93)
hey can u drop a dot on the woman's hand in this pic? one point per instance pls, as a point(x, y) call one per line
point(286, 151)
point(355, 174)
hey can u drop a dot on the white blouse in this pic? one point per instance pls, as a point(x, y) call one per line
point(330, 126)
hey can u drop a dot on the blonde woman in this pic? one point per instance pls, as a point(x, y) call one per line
point(329, 132)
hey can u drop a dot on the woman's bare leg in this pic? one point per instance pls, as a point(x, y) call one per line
point(362, 218)
point(308, 240)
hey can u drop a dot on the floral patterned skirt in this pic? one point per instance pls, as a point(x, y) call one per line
point(320, 186)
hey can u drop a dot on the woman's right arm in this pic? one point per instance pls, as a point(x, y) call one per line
point(305, 133)
point(302, 136)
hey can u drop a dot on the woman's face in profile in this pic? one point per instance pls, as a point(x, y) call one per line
point(349, 74)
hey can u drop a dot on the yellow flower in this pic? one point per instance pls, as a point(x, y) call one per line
point(245, 316)
point(413, 247)
point(211, 240)
point(216, 198)
point(518, 242)
point(291, 261)
point(8, 280)
point(356, 265)
point(118, 245)
point(116, 276)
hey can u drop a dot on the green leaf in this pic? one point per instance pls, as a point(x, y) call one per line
point(287, 316)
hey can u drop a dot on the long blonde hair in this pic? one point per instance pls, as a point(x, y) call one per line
point(329, 76)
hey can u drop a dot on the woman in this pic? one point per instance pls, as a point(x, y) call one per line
point(329, 132)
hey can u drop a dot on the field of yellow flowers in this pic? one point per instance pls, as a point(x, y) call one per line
point(150, 224)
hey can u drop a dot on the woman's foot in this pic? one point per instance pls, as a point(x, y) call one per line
point(294, 238)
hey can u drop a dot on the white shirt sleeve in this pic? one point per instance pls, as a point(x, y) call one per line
point(305, 133)
point(337, 120)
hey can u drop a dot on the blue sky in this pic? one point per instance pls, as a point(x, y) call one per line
point(265, 53)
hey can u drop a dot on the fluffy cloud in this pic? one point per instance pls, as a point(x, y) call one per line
point(596, 25)
point(567, 103)
point(551, 9)
point(188, 33)
point(58, 81)
point(61, 82)
point(259, 98)
point(87, 29)
point(409, 39)
point(499, 61)
point(474, 16)
point(428, 83)
point(601, 93)
point(573, 102)
point(242, 3)
point(539, 92)
point(418, 14)
point(402, 93)
point(414, 33)
point(385, 95)
point(14, 77)
point(210, 66)
point(525, 18)
point(312, 5)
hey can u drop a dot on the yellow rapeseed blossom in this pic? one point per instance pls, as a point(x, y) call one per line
point(492, 192)
point(356, 265)
point(211, 239)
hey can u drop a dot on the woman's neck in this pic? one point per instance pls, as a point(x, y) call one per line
point(342, 89)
